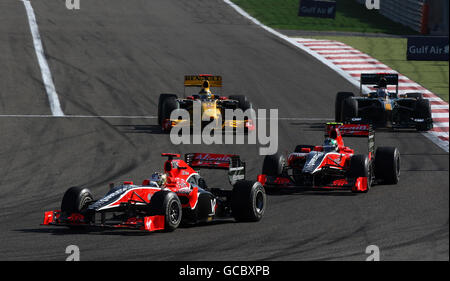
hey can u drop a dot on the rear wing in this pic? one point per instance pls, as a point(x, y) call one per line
point(230, 162)
point(197, 80)
point(353, 130)
point(374, 79)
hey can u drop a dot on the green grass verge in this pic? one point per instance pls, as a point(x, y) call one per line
point(354, 17)
point(432, 75)
point(350, 16)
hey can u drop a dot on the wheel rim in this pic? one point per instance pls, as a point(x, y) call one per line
point(259, 202)
point(174, 212)
point(398, 166)
point(84, 203)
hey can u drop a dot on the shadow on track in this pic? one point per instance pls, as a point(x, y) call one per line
point(140, 129)
point(58, 230)
point(309, 192)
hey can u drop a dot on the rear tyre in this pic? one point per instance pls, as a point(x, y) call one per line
point(75, 200)
point(161, 99)
point(168, 204)
point(423, 111)
point(349, 109)
point(273, 165)
point(387, 165)
point(340, 97)
point(248, 201)
point(360, 167)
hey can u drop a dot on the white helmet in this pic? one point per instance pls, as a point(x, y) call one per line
point(158, 178)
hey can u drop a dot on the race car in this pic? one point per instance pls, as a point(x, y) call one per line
point(384, 109)
point(165, 200)
point(333, 166)
point(211, 107)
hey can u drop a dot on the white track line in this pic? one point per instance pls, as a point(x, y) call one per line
point(140, 117)
point(45, 70)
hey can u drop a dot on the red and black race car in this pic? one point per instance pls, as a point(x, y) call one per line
point(179, 195)
point(333, 166)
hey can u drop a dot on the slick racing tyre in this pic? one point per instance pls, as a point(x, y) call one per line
point(387, 165)
point(273, 165)
point(168, 204)
point(161, 99)
point(170, 104)
point(349, 109)
point(243, 104)
point(248, 201)
point(76, 200)
point(340, 97)
point(423, 111)
point(360, 167)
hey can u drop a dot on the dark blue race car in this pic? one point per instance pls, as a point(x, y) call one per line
point(382, 108)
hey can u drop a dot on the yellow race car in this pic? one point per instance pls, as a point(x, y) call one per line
point(211, 106)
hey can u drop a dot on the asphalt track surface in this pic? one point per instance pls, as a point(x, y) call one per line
point(114, 58)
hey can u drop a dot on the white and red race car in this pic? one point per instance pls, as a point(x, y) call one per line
point(333, 167)
point(183, 197)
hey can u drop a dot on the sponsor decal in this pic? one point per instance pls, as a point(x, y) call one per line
point(213, 207)
point(148, 223)
point(427, 48)
point(209, 157)
point(314, 159)
point(318, 9)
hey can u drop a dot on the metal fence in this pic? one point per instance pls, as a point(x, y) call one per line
point(405, 12)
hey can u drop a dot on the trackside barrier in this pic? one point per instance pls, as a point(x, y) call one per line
point(406, 12)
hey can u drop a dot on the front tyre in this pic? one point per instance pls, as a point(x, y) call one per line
point(168, 204)
point(170, 104)
point(161, 100)
point(75, 200)
point(248, 201)
point(360, 168)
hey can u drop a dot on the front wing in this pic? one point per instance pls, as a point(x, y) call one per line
point(359, 184)
point(148, 223)
point(168, 124)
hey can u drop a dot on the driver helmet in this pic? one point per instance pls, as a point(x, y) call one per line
point(382, 93)
point(330, 144)
point(382, 83)
point(206, 92)
point(382, 88)
point(158, 178)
